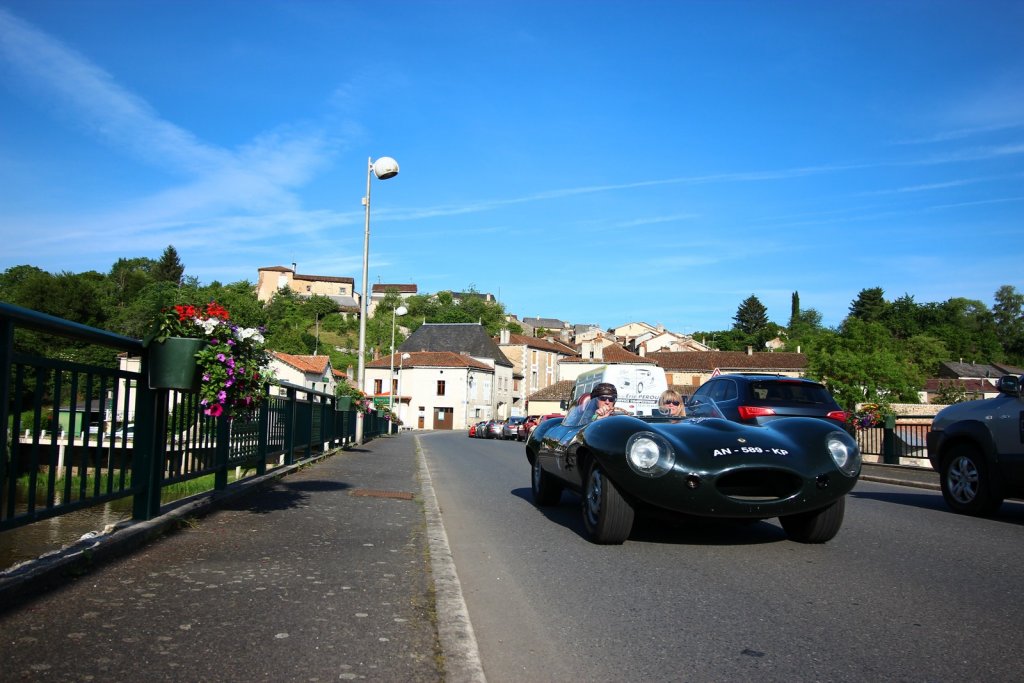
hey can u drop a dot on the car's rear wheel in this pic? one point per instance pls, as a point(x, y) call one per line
point(607, 516)
point(816, 526)
point(966, 483)
point(546, 489)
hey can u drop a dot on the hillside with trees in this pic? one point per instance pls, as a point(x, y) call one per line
point(129, 296)
point(884, 350)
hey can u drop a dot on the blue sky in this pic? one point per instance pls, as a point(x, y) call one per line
point(598, 162)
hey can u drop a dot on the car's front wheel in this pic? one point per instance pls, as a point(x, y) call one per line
point(546, 489)
point(966, 483)
point(816, 526)
point(607, 516)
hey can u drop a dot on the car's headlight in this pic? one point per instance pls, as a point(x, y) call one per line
point(649, 454)
point(844, 452)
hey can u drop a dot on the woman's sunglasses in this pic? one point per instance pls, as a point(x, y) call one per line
point(670, 403)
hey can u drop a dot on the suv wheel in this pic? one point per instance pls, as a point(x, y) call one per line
point(966, 482)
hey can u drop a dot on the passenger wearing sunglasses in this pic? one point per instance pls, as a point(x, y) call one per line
point(671, 404)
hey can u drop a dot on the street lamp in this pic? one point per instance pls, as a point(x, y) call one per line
point(401, 310)
point(401, 364)
point(383, 168)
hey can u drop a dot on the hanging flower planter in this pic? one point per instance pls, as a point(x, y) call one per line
point(344, 403)
point(173, 364)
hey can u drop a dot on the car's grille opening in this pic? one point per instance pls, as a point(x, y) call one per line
point(758, 484)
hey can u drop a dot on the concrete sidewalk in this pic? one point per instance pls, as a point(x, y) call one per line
point(323, 574)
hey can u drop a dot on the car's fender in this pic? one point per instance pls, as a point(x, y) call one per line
point(973, 431)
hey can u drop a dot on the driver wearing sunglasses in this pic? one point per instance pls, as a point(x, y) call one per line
point(605, 394)
point(671, 404)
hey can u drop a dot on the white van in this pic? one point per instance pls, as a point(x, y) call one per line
point(639, 386)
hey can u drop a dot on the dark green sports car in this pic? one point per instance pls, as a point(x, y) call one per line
point(797, 469)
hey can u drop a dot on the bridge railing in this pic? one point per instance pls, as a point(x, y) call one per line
point(75, 434)
point(896, 441)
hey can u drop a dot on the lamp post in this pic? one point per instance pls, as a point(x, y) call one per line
point(383, 168)
point(391, 372)
point(401, 364)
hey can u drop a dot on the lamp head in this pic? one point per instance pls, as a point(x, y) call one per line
point(401, 310)
point(385, 168)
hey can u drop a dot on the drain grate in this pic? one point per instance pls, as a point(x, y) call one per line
point(372, 493)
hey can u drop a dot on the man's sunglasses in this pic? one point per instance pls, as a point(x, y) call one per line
point(606, 398)
point(671, 403)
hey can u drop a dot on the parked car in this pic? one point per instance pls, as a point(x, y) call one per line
point(494, 429)
point(481, 430)
point(976, 448)
point(798, 470)
point(523, 431)
point(472, 430)
point(510, 430)
point(759, 399)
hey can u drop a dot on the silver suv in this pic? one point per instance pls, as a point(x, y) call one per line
point(978, 449)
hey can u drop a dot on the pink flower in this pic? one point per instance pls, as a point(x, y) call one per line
point(214, 410)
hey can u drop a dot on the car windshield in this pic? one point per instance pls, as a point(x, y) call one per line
point(703, 406)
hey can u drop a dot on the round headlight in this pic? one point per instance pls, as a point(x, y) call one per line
point(649, 455)
point(844, 452)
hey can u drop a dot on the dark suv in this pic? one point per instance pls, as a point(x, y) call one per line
point(756, 399)
point(978, 449)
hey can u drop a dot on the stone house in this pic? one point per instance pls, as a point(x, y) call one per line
point(433, 389)
point(466, 379)
point(313, 372)
point(341, 290)
point(534, 364)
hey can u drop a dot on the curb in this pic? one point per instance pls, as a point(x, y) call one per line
point(454, 629)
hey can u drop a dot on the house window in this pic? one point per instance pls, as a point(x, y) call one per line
point(378, 386)
point(440, 387)
point(394, 386)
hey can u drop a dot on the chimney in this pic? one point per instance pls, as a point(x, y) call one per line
point(504, 336)
point(295, 266)
point(750, 350)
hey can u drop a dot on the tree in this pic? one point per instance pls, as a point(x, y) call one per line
point(751, 316)
point(862, 362)
point(1008, 315)
point(869, 305)
point(950, 392)
point(469, 307)
point(794, 309)
point(803, 329)
point(169, 268)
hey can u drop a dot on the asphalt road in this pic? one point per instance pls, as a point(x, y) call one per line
point(906, 592)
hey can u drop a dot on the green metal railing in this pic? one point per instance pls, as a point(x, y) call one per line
point(75, 435)
point(906, 438)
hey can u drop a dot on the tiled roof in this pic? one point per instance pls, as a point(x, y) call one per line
point(325, 278)
point(613, 353)
point(538, 343)
point(976, 386)
point(546, 323)
point(559, 391)
point(470, 338)
point(383, 289)
point(277, 269)
point(431, 359)
point(976, 370)
point(311, 364)
point(1008, 369)
point(727, 361)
